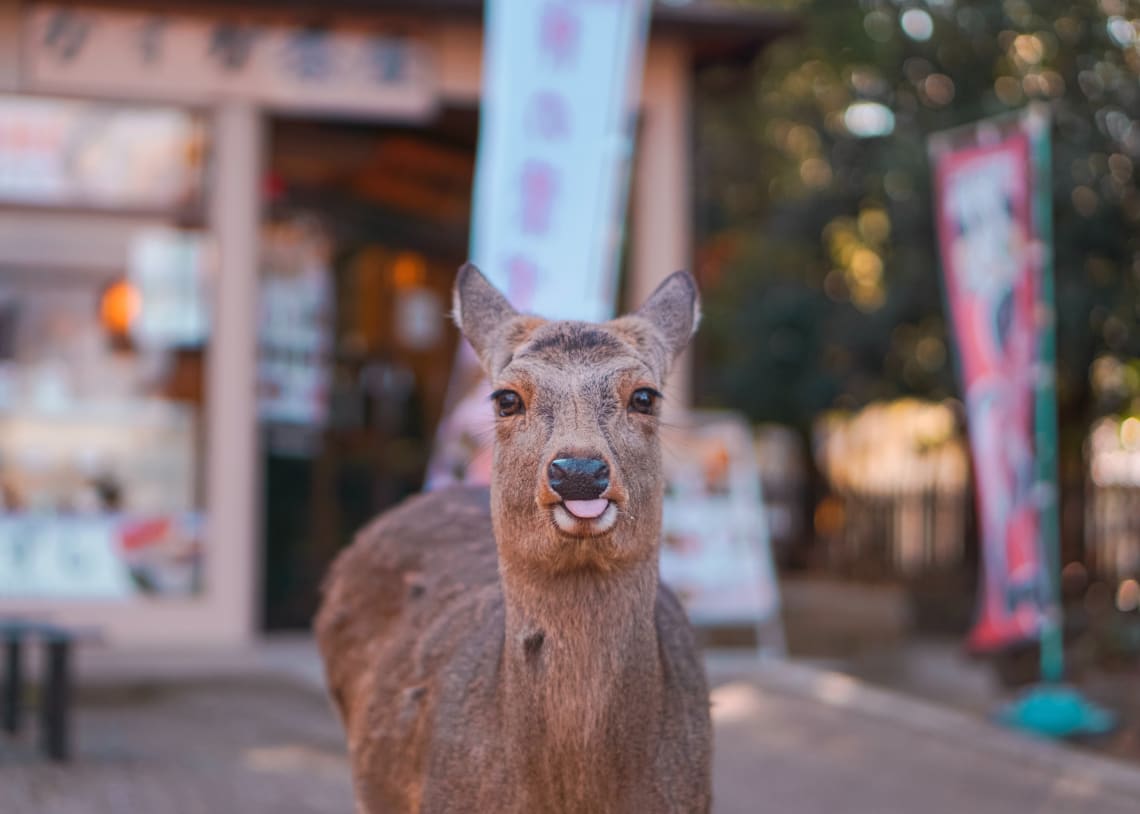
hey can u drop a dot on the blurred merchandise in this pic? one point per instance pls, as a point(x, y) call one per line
point(74, 471)
point(100, 556)
point(295, 326)
point(69, 153)
point(57, 459)
point(103, 326)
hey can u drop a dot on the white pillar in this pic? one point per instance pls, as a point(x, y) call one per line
point(232, 497)
point(661, 194)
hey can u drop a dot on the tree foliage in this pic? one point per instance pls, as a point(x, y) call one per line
point(818, 252)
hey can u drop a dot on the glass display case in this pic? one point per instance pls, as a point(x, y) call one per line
point(103, 329)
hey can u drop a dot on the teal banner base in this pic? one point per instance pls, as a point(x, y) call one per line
point(1057, 711)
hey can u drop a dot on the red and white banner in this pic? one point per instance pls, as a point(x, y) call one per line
point(992, 254)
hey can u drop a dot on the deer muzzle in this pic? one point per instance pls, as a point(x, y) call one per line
point(580, 482)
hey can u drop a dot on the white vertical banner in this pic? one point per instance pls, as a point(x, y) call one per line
point(561, 80)
point(560, 91)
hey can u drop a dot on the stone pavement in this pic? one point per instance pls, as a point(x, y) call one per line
point(793, 739)
point(870, 632)
point(237, 745)
point(256, 735)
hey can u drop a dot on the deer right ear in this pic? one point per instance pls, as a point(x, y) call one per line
point(674, 309)
point(479, 309)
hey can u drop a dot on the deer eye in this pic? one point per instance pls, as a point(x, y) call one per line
point(644, 400)
point(507, 402)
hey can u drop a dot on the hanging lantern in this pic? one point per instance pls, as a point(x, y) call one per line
point(119, 307)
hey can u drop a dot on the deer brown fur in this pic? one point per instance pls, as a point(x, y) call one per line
point(508, 655)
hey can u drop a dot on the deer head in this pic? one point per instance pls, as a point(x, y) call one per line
point(577, 481)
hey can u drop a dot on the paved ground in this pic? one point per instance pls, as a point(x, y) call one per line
point(867, 631)
point(209, 747)
point(939, 671)
point(804, 741)
point(789, 739)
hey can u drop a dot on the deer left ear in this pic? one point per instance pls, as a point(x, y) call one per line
point(480, 310)
point(674, 309)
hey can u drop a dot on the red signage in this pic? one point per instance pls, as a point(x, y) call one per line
point(991, 259)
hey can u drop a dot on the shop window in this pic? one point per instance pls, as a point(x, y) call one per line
point(103, 329)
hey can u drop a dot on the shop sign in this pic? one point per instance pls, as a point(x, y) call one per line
point(201, 60)
point(295, 328)
point(716, 552)
point(168, 270)
point(99, 556)
point(294, 367)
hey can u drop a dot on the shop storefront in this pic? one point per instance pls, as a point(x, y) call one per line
point(226, 242)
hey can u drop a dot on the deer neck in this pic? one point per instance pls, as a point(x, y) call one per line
point(581, 694)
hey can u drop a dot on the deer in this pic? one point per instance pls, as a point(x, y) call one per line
point(511, 649)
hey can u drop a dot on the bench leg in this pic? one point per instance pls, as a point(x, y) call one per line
point(13, 684)
point(55, 700)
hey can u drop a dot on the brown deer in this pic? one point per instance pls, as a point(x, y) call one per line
point(519, 654)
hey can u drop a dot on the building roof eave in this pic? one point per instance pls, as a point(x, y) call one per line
point(715, 31)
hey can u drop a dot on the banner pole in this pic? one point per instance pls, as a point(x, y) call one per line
point(994, 213)
point(1052, 632)
point(1050, 707)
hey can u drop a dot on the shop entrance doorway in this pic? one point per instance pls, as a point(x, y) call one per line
point(364, 230)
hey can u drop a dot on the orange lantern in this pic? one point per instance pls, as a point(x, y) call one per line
point(119, 307)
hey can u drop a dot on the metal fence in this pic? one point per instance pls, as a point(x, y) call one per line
point(1112, 531)
point(913, 522)
point(904, 534)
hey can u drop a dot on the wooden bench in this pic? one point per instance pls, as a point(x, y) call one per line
point(55, 689)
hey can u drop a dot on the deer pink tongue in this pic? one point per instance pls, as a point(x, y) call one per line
point(586, 509)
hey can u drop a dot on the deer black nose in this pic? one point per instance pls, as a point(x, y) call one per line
point(579, 478)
